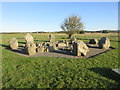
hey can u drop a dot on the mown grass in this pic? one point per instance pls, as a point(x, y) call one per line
point(50, 72)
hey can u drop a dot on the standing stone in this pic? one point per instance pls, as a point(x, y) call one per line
point(80, 48)
point(13, 43)
point(52, 38)
point(29, 44)
point(104, 43)
point(31, 50)
point(29, 38)
point(93, 41)
point(72, 40)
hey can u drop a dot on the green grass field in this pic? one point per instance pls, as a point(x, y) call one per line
point(50, 72)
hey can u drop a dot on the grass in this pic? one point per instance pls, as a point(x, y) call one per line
point(50, 72)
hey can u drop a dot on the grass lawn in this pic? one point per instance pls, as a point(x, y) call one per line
point(48, 72)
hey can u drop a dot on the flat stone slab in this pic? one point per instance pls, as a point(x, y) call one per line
point(116, 71)
point(93, 51)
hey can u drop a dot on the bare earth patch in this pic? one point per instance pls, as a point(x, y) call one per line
point(93, 51)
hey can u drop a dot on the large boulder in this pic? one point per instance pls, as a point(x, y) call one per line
point(52, 38)
point(104, 43)
point(29, 38)
point(31, 50)
point(13, 43)
point(80, 48)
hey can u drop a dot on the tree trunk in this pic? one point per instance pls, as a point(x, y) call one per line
point(69, 36)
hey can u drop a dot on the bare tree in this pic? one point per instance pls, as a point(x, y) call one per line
point(72, 25)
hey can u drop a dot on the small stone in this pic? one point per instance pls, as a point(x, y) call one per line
point(61, 44)
point(39, 44)
point(41, 49)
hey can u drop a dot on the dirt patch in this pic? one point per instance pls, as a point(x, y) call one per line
point(93, 51)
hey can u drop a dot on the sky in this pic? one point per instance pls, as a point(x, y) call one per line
point(48, 16)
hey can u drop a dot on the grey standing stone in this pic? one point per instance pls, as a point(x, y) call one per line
point(13, 43)
point(80, 48)
point(31, 50)
point(29, 38)
point(29, 44)
point(52, 38)
point(104, 43)
point(72, 40)
point(93, 41)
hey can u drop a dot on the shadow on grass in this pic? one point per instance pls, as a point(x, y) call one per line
point(106, 72)
point(6, 46)
point(19, 50)
point(22, 42)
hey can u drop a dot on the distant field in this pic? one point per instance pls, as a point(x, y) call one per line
point(48, 72)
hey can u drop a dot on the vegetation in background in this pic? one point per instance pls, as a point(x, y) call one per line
point(72, 25)
point(82, 32)
point(105, 31)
